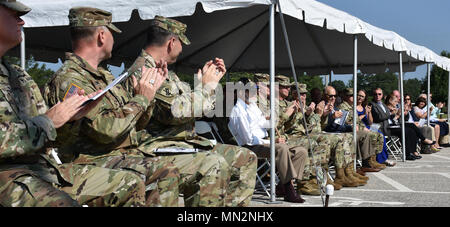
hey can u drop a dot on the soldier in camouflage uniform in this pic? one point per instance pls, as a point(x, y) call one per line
point(177, 106)
point(308, 185)
point(108, 137)
point(376, 139)
point(28, 175)
point(341, 145)
point(291, 123)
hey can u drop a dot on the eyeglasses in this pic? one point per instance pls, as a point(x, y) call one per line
point(332, 96)
point(378, 93)
point(407, 99)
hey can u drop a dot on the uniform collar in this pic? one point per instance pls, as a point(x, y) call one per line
point(148, 58)
point(84, 64)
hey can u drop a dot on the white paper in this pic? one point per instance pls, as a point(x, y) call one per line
point(176, 150)
point(119, 79)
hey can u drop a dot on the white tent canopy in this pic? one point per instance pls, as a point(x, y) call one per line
point(321, 36)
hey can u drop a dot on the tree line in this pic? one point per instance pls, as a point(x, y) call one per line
point(387, 81)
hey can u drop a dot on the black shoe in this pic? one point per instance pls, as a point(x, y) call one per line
point(291, 195)
point(434, 142)
point(417, 156)
point(410, 157)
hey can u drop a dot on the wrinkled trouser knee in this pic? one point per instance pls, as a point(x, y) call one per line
point(31, 191)
point(100, 187)
point(243, 164)
point(204, 178)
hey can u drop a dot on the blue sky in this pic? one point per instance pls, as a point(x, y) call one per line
point(425, 23)
point(422, 22)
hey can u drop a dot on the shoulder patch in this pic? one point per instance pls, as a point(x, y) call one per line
point(72, 90)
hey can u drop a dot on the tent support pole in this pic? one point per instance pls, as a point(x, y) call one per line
point(428, 93)
point(294, 74)
point(355, 91)
point(330, 79)
point(448, 99)
point(402, 106)
point(22, 51)
point(272, 103)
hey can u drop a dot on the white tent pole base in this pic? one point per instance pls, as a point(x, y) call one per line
point(272, 105)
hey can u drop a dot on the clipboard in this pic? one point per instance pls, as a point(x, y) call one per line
point(116, 81)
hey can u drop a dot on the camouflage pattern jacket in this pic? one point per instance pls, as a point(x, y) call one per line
point(25, 130)
point(298, 126)
point(109, 126)
point(285, 122)
point(173, 123)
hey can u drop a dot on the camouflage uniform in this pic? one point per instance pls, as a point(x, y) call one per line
point(107, 137)
point(29, 177)
point(174, 120)
point(376, 139)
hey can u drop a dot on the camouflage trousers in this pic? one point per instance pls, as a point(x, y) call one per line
point(92, 186)
point(319, 148)
point(368, 144)
point(204, 178)
point(377, 141)
point(243, 163)
point(161, 176)
point(327, 147)
point(342, 148)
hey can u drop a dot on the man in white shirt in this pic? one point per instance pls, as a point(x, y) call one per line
point(248, 126)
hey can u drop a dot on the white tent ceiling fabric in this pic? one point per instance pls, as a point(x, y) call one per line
point(235, 26)
point(54, 12)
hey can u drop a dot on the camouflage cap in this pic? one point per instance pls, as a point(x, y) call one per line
point(348, 91)
point(91, 17)
point(283, 80)
point(16, 6)
point(247, 82)
point(173, 26)
point(261, 77)
point(301, 87)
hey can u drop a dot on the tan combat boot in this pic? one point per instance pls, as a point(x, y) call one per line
point(358, 175)
point(374, 164)
point(349, 175)
point(329, 181)
point(343, 180)
point(335, 185)
point(307, 188)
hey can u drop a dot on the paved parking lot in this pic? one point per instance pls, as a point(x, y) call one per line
point(419, 183)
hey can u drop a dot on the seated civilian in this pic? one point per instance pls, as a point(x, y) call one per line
point(248, 125)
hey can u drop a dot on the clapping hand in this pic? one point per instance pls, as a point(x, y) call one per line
point(311, 108)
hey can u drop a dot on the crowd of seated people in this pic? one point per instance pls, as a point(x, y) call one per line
point(377, 121)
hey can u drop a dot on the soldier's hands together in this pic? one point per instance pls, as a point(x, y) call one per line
point(151, 81)
point(311, 108)
point(212, 72)
point(320, 107)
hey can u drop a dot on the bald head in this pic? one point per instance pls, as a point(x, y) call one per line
point(330, 90)
point(330, 94)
